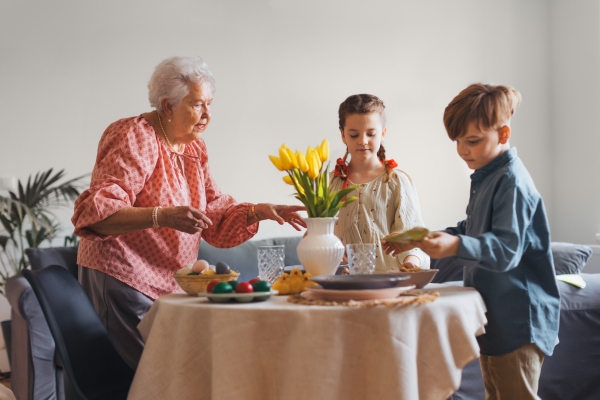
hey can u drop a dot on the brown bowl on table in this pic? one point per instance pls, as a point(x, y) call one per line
point(418, 278)
point(194, 284)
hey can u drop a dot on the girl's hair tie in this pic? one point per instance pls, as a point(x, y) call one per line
point(391, 163)
point(341, 169)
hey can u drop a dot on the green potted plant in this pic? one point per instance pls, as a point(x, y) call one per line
point(27, 221)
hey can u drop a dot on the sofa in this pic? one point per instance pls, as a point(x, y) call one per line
point(571, 373)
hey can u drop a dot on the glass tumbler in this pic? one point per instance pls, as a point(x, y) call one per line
point(270, 262)
point(361, 258)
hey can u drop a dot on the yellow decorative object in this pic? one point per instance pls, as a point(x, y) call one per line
point(209, 272)
point(307, 282)
point(282, 284)
point(296, 281)
point(311, 180)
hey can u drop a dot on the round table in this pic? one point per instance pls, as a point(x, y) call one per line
point(279, 350)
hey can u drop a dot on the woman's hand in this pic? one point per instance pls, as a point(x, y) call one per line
point(184, 218)
point(280, 214)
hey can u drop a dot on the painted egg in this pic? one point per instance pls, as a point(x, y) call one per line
point(254, 280)
point(261, 286)
point(222, 268)
point(244, 287)
point(199, 266)
point(222, 287)
point(233, 284)
point(210, 286)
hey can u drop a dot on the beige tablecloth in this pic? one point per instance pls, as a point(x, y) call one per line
point(279, 350)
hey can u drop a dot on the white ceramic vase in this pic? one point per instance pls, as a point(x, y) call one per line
point(320, 251)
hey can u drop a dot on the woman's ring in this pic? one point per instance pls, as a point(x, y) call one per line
point(196, 223)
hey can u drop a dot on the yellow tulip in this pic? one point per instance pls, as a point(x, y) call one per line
point(292, 156)
point(324, 153)
point(313, 166)
point(283, 146)
point(315, 154)
point(286, 162)
point(302, 164)
point(287, 179)
point(277, 162)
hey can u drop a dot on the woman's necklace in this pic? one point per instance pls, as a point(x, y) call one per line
point(166, 137)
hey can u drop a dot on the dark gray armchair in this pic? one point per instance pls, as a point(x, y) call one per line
point(35, 371)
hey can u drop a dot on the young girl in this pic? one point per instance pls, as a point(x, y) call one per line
point(388, 200)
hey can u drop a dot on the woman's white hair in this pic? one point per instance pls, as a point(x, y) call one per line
point(172, 77)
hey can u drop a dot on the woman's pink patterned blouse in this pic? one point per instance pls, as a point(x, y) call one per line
point(135, 168)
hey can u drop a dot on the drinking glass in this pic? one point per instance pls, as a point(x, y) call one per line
point(361, 258)
point(270, 262)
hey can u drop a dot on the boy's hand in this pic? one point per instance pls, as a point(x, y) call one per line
point(393, 248)
point(439, 245)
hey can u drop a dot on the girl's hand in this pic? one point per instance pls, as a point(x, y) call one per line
point(440, 245)
point(411, 262)
point(185, 219)
point(281, 214)
point(393, 248)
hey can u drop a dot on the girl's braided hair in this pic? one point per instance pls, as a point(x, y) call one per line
point(364, 104)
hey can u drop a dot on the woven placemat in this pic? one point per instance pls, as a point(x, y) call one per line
point(401, 300)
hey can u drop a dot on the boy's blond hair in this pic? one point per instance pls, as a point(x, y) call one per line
point(487, 105)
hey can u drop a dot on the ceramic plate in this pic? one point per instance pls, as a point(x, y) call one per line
point(339, 270)
point(239, 297)
point(318, 293)
point(359, 282)
point(418, 278)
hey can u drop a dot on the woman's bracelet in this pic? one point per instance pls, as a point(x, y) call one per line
point(155, 217)
point(254, 212)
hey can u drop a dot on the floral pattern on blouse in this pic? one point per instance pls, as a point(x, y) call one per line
point(135, 168)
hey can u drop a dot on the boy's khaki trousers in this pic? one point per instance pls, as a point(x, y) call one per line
point(512, 376)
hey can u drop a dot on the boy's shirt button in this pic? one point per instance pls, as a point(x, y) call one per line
point(473, 191)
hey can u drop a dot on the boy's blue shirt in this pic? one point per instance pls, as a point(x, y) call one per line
point(505, 248)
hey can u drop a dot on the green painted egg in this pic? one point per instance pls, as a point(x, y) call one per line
point(261, 286)
point(222, 287)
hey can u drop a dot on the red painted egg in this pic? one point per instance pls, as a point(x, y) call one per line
point(244, 287)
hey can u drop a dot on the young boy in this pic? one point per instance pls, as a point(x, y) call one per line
point(504, 244)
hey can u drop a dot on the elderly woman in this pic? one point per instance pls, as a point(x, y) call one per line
point(151, 198)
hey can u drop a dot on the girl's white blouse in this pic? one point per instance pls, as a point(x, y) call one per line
point(382, 208)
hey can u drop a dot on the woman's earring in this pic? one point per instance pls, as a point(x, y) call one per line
point(169, 120)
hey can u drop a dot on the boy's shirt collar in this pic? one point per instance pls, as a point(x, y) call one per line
point(495, 165)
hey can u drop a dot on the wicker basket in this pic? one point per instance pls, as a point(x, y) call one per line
point(194, 284)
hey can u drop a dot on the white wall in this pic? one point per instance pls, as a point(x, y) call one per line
point(575, 119)
point(70, 68)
